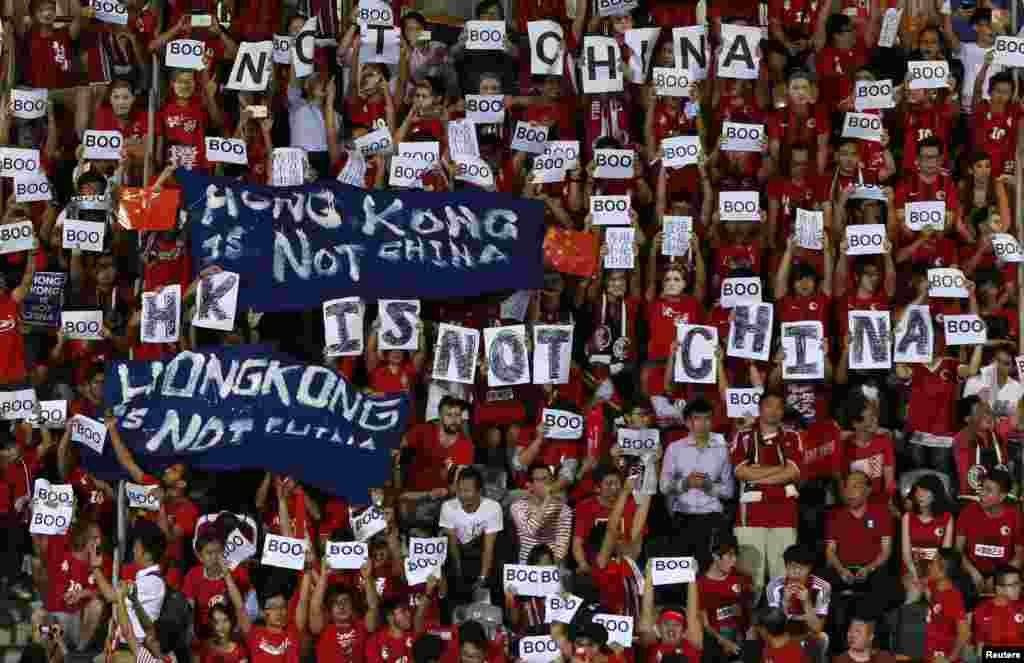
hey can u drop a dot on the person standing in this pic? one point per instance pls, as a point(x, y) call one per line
point(472, 523)
point(542, 517)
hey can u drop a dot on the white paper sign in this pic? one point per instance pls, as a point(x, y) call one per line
point(146, 498)
point(399, 320)
point(368, 523)
point(890, 27)
point(865, 239)
point(288, 166)
point(552, 353)
point(1006, 248)
point(873, 95)
point(610, 210)
point(89, 432)
point(82, 325)
point(925, 214)
point(474, 170)
point(615, 7)
point(30, 104)
point(32, 188)
point(865, 126)
point(485, 35)
point(419, 569)
point(914, 336)
point(429, 547)
point(739, 206)
point(638, 441)
point(803, 350)
point(348, 555)
point(750, 331)
point(53, 508)
point(539, 581)
point(237, 549)
point(740, 137)
point(283, 49)
point(84, 235)
point(284, 552)
point(508, 356)
point(741, 291)
point(16, 162)
point(810, 229)
point(15, 237)
point(110, 11)
point(620, 627)
point(1009, 51)
point(455, 354)
point(304, 47)
point(640, 42)
point(673, 570)
point(18, 404)
point(562, 424)
point(217, 301)
point(529, 137)
point(485, 108)
point(424, 153)
point(671, 82)
point(375, 12)
point(185, 54)
point(161, 315)
point(741, 403)
point(406, 173)
point(251, 71)
point(695, 359)
point(927, 74)
point(547, 48)
point(675, 235)
point(561, 608)
point(947, 282)
point(680, 151)
point(740, 53)
point(567, 150)
point(103, 145)
point(964, 330)
point(541, 648)
point(614, 164)
point(690, 50)
point(343, 327)
point(51, 414)
point(601, 65)
point(870, 340)
point(226, 150)
point(621, 253)
point(375, 142)
point(382, 45)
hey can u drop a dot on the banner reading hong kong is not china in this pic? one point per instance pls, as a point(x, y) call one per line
point(295, 247)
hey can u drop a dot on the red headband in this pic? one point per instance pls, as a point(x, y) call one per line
point(672, 616)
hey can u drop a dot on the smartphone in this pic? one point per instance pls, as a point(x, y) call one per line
point(258, 112)
point(201, 20)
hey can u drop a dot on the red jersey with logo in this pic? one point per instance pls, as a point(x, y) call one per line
point(49, 59)
point(792, 195)
point(990, 540)
point(382, 647)
point(791, 652)
point(835, 69)
point(590, 512)
point(270, 646)
point(933, 390)
point(927, 537)
point(920, 122)
point(185, 124)
point(210, 654)
point(431, 456)
point(791, 128)
point(12, 345)
point(942, 622)
point(206, 593)
point(135, 126)
point(342, 643)
point(684, 648)
point(858, 539)
point(795, 16)
point(995, 134)
point(662, 317)
point(999, 625)
point(726, 601)
point(768, 506)
point(371, 113)
point(872, 459)
point(794, 308)
point(975, 458)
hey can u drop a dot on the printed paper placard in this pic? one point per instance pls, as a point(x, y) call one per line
point(419, 569)
point(615, 7)
point(485, 35)
point(803, 350)
point(462, 142)
point(539, 581)
point(873, 95)
point(30, 104)
point(102, 145)
point(485, 108)
point(399, 324)
point(406, 173)
point(680, 151)
point(739, 206)
point(375, 142)
point(51, 414)
point(810, 229)
point(529, 137)
point(88, 432)
point(890, 27)
point(562, 424)
point(347, 555)
point(541, 648)
point(185, 54)
point(251, 70)
point(217, 301)
point(914, 336)
point(18, 162)
point(1009, 51)
point(614, 164)
point(84, 235)
point(740, 53)
point(610, 210)
point(640, 44)
point(870, 340)
point(283, 49)
point(17, 404)
point(1006, 248)
point(374, 12)
point(82, 325)
point(32, 188)
point(695, 359)
point(671, 82)
point(601, 66)
point(740, 137)
point(552, 353)
point(161, 315)
point(226, 150)
point(547, 48)
point(16, 237)
point(430, 547)
point(507, 355)
point(865, 239)
point(741, 403)
point(621, 250)
point(638, 441)
point(741, 291)
point(620, 627)
point(53, 507)
point(343, 327)
point(455, 354)
point(568, 150)
point(383, 45)
point(750, 331)
point(237, 549)
point(673, 570)
point(865, 126)
point(675, 235)
point(284, 552)
point(368, 523)
point(690, 50)
point(947, 282)
point(146, 498)
point(926, 214)
point(110, 11)
point(927, 74)
point(964, 330)
point(561, 608)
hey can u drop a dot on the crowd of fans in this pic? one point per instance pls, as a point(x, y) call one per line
point(866, 513)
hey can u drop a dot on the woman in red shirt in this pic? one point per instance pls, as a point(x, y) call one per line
point(186, 116)
point(927, 525)
point(668, 311)
point(221, 646)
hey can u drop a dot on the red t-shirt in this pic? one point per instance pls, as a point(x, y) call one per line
point(932, 395)
point(383, 648)
point(999, 625)
point(726, 601)
point(926, 537)
point(590, 512)
point(774, 508)
point(136, 126)
point(267, 646)
point(791, 652)
point(969, 453)
point(990, 540)
point(49, 59)
point(431, 456)
point(872, 459)
point(944, 616)
point(663, 316)
point(12, 345)
point(185, 124)
point(91, 499)
point(794, 308)
point(995, 134)
point(920, 122)
point(206, 593)
point(835, 68)
point(239, 654)
point(858, 539)
point(342, 644)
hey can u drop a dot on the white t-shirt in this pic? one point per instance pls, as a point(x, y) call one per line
point(1002, 400)
point(468, 527)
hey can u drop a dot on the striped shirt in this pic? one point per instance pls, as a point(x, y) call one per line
point(552, 527)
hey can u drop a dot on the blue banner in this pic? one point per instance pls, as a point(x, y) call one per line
point(295, 247)
point(231, 408)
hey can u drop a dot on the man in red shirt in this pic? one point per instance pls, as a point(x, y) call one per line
point(928, 182)
point(392, 643)
point(597, 509)
point(12, 344)
point(947, 629)
point(989, 532)
point(976, 448)
point(767, 459)
point(432, 451)
point(204, 585)
point(999, 621)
